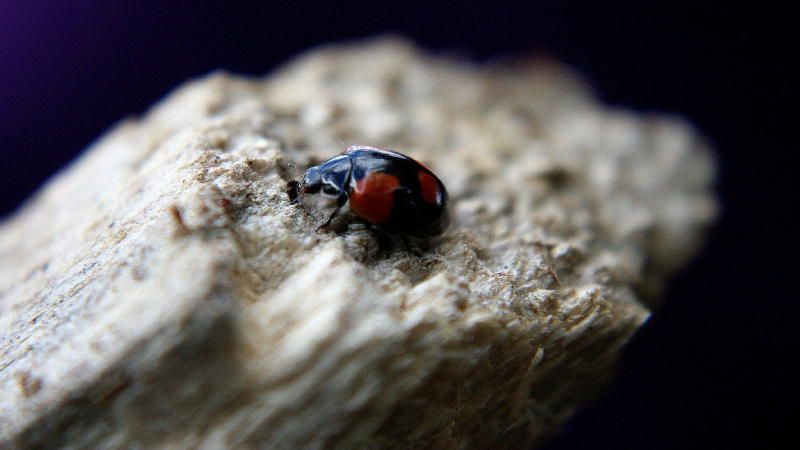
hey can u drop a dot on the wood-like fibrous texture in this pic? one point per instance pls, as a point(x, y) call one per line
point(162, 291)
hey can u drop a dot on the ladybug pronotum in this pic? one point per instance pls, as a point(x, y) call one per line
point(383, 187)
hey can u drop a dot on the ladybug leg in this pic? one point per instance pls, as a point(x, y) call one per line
point(330, 219)
point(340, 201)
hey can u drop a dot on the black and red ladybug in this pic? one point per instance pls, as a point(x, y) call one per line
point(383, 187)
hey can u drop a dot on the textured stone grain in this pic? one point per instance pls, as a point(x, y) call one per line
point(163, 292)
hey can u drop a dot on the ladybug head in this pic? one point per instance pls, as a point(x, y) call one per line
point(329, 179)
point(310, 184)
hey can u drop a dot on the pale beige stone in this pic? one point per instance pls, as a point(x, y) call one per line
point(163, 292)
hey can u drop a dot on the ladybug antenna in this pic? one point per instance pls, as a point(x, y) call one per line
point(293, 166)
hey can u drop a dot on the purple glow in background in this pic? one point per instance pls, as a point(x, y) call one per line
point(71, 69)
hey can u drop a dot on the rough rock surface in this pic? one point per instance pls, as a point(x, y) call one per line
point(162, 291)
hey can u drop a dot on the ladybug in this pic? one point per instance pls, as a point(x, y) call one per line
point(383, 187)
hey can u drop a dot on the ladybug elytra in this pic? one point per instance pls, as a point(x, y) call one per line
point(382, 187)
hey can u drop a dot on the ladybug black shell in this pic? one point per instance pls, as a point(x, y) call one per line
point(383, 187)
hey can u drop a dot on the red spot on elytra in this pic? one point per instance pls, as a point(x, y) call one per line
point(429, 187)
point(373, 196)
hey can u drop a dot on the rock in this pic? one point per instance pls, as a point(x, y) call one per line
point(163, 292)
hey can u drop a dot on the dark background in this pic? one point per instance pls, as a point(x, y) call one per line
point(699, 375)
